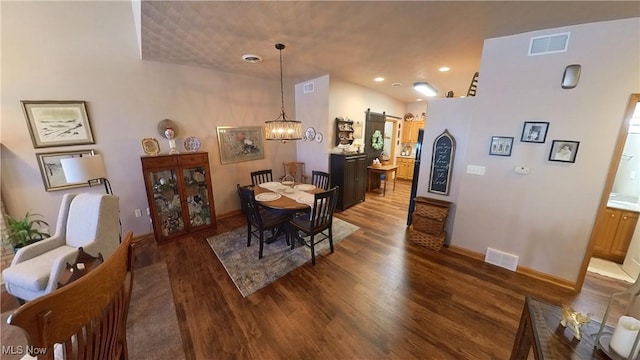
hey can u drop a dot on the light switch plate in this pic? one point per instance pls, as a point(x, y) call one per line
point(475, 170)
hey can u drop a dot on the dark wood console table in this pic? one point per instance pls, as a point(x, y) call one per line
point(541, 332)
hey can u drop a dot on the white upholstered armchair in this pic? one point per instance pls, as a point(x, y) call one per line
point(87, 220)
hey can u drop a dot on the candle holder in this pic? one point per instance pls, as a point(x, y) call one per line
point(623, 341)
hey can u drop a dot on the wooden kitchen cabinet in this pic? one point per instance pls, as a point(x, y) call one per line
point(410, 131)
point(405, 168)
point(349, 172)
point(613, 234)
point(179, 194)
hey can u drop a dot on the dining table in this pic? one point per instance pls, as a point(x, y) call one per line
point(293, 198)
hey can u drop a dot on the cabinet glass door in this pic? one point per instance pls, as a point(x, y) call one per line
point(195, 181)
point(167, 201)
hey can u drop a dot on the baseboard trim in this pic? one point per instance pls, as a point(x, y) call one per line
point(229, 214)
point(564, 283)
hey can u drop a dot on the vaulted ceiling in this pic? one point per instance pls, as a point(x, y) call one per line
point(355, 41)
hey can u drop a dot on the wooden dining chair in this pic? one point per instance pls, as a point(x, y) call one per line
point(86, 319)
point(260, 219)
point(261, 176)
point(318, 224)
point(321, 179)
point(295, 170)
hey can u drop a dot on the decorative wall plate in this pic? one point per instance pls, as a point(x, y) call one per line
point(319, 137)
point(192, 144)
point(310, 134)
point(150, 146)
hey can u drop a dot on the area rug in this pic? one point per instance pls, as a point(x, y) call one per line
point(250, 274)
point(608, 269)
point(152, 328)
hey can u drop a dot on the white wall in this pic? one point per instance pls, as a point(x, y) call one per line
point(546, 217)
point(88, 51)
point(313, 111)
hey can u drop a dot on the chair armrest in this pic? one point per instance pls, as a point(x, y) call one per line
point(30, 251)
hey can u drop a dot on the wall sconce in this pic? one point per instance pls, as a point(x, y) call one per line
point(86, 169)
point(425, 89)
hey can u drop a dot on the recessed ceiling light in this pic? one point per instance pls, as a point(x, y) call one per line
point(396, 84)
point(444, 69)
point(418, 99)
point(251, 58)
point(379, 79)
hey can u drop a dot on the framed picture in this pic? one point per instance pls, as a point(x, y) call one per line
point(564, 151)
point(51, 169)
point(240, 144)
point(501, 145)
point(535, 132)
point(57, 123)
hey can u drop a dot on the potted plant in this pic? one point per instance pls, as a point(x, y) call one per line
point(25, 231)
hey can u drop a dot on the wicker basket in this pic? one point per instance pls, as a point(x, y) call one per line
point(432, 208)
point(433, 242)
point(427, 225)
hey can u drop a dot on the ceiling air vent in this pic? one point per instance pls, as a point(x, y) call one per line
point(307, 88)
point(549, 44)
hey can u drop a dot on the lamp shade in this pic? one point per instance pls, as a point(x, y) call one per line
point(283, 130)
point(425, 89)
point(83, 169)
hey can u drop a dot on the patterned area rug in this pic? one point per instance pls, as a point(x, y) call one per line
point(250, 274)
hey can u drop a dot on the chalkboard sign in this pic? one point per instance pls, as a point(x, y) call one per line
point(444, 147)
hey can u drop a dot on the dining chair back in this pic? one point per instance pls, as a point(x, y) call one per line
point(261, 176)
point(86, 319)
point(318, 224)
point(295, 169)
point(321, 179)
point(260, 219)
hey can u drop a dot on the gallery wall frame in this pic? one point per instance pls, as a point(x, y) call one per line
point(57, 123)
point(237, 144)
point(564, 151)
point(501, 145)
point(51, 169)
point(534, 131)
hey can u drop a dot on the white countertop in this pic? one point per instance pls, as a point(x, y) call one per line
point(623, 205)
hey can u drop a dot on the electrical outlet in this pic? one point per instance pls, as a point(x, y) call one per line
point(137, 212)
point(148, 212)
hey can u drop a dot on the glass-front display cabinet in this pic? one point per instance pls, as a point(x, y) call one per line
point(179, 193)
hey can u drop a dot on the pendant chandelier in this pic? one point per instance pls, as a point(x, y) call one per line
point(283, 129)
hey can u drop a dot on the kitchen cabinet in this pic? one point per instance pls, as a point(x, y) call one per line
point(179, 194)
point(410, 131)
point(349, 172)
point(613, 233)
point(344, 132)
point(405, 168)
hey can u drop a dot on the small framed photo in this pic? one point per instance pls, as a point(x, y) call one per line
point(51, 169)
point(240, 144)
point(535, 132)
point(501, 145)
point(564, 151)
point(57, 123)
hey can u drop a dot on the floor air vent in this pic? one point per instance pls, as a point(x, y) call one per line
point(549, 44)
point(502, 259)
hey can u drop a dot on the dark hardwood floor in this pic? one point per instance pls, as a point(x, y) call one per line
point(377, 297)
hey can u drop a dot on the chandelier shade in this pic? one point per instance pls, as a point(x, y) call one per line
point(283, 129)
